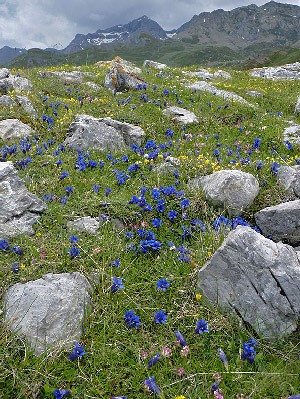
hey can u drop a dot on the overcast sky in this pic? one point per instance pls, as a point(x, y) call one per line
point(54, 23)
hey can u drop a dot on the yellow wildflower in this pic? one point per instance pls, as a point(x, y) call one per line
point(198, 296)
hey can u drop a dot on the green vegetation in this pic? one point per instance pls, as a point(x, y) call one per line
point(117, 356)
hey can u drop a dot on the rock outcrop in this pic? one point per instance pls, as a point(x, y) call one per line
point(19, 209)
point(232, 190)
point(181, 115)
point(13, 129)
point(281, 222)
point(48, 312)
point(257, 279)
point(103, 134)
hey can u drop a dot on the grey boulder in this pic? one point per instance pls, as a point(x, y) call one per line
point(227, 95)
point(4, 73)
point(181, 115)
point(13, 128)
point(48, 312)
point(85, 224)
point(105, 134)
point(287, 71)
point(233, 190)
point(281, 222)
point(27, 105)
point(19, 209)
point(292, 133)
point(6, 101)
point(14, 83)
point(257, 279)
point(297, 106)
point(289, 179)
point(154, 64)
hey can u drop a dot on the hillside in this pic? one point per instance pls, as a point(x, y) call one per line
point(127, 268)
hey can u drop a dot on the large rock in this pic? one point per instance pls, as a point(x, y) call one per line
point(27, 105)
point(122, 76)
point(288, 71)
point(181, 115)
point(292, 133)
point(281, 222)
point(104, 134)
point(14, 83)
point(297, 106)
point(154, 64)
point(85, 224)
point(4, 73)
point(227, 95)
point(68, 77)
point(257, 279)
point(289, 179)
point(233, 190)
point(7, 101)
point(13, 128)
point(48, 312)
point(19, 209)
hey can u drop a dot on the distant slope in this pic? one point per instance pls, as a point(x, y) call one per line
point(171, 52)
point(9, 53)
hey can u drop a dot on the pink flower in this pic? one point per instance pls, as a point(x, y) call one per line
point(166, 351)
point(144, 354)
point(185, 351)
point(218, 394)
point(180, 371)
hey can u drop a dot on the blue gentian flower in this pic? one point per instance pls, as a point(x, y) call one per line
point(180, 338)
point(151, 385)
point(249, 352)
point(73, 252)
point(116, 285)
point(185, 203)
point(4, 245)
point(160, 205)
point(201, 327)
point(119, 397)
point(155, 193)
point(214, 388)
point(160, 317)
point(74, 239)
point(274, 168)
point(60, 393)
point(256, 143)
point(172, 215)
point(162, 284)
point(223, 357)
point(96, 188)
point(107, 191)
point(77, 352)
point(63, 175)
point(153, 245)
point(288, 145)
point(15, 267)
point(157, 223)
point(131, 319)
point(153, 360)
point(115, 263)
point(69, 190)
point(64, 199)
point(17, 250)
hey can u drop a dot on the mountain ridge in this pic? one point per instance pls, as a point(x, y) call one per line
point(247, 32)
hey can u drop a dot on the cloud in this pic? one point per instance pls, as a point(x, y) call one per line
point(45, 23)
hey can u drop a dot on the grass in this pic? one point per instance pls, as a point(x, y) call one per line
point(116, 360)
